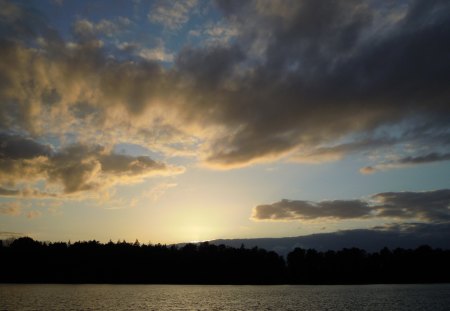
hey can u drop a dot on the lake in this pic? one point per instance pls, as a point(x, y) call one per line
point(224, 297)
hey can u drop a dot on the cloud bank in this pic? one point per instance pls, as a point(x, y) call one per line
point(70, 170)
point(295, 80)
point(428, 206)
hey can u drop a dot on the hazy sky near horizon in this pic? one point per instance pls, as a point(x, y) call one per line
point(173, 121)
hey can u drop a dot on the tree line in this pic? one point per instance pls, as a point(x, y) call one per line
point(25, 260)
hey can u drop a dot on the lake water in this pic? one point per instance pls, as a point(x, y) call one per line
point(211, 297)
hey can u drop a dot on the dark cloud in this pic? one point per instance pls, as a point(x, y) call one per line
point(407, 161)
point(80, 168)
point(337, 151)
point(75, 168)
point(291, 210)
point(431, 206)
point(328, 72)
point(428, 158)
point(221, 62)
point(299, 79)
point(127, 164)
point(8, 192)
point(18, 147)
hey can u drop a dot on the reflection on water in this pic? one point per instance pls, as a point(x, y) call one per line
point(211, 297)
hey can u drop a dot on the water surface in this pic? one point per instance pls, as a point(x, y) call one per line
point(219, 297)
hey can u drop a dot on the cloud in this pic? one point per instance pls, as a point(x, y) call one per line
point(367, 170)
point(16, 208)
point(83, 94)
point(9, 11)
point(407, 161)
point(25, 192)
point(299, 80)
point(15, 146)
point(88, 29)
point(218, 33)
point(156, 54)
point(159, 190)
point(171, 14)
point(429, 206)
point(8, 192)
point(337, 151)
point(428, 158)
point(80, 168)
point(58, 2)
point(34, 214)
point(73, 169)
point(11, 208)
point(128, 46)
point(306, 210)
point(314, 83)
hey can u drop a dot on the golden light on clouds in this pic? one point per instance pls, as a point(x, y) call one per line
point(128, 107)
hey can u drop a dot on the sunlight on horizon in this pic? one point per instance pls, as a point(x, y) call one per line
point(175, 121)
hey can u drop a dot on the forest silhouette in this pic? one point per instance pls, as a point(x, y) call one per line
point(25, 260)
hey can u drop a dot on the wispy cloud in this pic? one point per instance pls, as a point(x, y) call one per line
point(33, 214)
point(11, 208)
point(159, 190)
point(171, 14)
point(219, 33)
point(407, 161)
point(88, 29)
point(19, 208)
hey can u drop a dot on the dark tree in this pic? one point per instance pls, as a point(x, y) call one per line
point(27, 260)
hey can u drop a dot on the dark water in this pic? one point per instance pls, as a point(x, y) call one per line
point(196, 297)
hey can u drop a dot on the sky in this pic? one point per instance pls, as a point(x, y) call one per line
point(176, 121)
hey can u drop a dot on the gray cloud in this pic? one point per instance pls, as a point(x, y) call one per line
point(299, 79)
point(430, 206)
point(326, 73)
point(15, 146)
point(337, 151)
point(428, 158)
point(306, 210)
point(80, 168)
point(407, 161)
point(75, 168)
point(26, 192)
point(8, 192)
